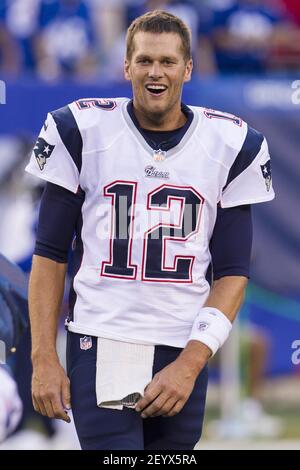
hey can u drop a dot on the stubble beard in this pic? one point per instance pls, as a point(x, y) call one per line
point(157, 118)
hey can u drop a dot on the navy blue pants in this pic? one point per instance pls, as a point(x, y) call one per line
point(106, 429)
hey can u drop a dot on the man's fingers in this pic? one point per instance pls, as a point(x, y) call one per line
point(40, 408)
point(158, 406)
point(175, 409)
point(166, 408)
point(151, 393)
point(52, 403)
point(44, 402)
point(66, 394)
point(48, 408)
point(59, 412)
point(36, 405)
point(51, 406)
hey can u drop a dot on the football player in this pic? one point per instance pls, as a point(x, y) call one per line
point(159, 196)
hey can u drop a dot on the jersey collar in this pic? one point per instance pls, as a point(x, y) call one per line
point(173, 143)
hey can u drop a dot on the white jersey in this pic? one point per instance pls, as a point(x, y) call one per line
point(148, 216)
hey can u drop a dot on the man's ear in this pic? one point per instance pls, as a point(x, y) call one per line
point(127, 70)
point(188, 70)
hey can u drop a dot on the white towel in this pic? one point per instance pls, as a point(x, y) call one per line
point(123, 371)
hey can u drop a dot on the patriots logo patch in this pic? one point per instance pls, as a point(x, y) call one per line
point(42, 151)
point(266, 172)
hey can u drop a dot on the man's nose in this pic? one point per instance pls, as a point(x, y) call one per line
point(155, 70)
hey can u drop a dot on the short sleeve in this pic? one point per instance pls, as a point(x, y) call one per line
point(249, 180)
point(57, 151)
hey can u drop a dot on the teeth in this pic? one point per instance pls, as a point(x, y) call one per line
point(156, 87)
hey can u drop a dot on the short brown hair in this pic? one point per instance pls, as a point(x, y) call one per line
point(159, 21)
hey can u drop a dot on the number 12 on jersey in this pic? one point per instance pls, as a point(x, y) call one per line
point(155, 240)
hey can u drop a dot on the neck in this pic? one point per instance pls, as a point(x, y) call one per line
point(158, 121)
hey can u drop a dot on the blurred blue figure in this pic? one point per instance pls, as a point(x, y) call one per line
point(52, 37)
point(20, 19)
point(13, 323)
point(65, 41)
point(10, 57)
point(244, 32)
point(13, 302)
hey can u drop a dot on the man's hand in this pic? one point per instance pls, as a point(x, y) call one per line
point(51, 389)
point(171, 387)
point(168, 392)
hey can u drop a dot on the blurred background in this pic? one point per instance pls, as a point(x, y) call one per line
point(247, 62)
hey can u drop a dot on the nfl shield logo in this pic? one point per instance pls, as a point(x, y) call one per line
point(86, 343)
point(159, 155)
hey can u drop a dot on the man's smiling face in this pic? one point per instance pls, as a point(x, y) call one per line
point(157, 70)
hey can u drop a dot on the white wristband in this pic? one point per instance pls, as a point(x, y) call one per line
point(211, 327)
